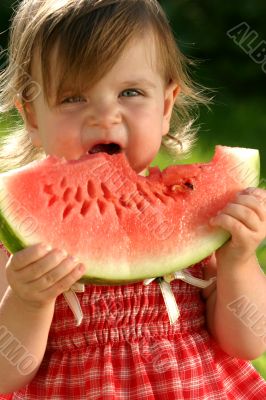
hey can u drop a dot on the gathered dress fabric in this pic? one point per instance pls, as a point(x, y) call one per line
point(126, 349)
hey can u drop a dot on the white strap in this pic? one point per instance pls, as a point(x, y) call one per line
point(169, 300)
point(73, 301)
point(168, 295)
point(185, 276)
point(78, 287)
point(164, 282)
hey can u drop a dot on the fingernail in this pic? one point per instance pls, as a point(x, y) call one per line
point(249, 190)
point(63, 252)
point(81, 268)
point(47, 247)
point(74, 259)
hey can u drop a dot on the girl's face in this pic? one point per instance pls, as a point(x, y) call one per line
point(130, 106)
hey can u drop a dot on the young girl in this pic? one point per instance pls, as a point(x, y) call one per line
point(90, 75)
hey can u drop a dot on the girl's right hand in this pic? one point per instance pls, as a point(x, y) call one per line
point(38, 274)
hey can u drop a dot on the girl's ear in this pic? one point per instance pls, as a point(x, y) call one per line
point(171, 93)
point(27, 113)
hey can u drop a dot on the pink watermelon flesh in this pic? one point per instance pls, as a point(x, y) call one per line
point(124, 227)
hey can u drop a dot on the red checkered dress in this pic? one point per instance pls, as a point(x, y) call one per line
point(125, 348)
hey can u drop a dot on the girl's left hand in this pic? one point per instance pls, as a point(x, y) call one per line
point(245, 219)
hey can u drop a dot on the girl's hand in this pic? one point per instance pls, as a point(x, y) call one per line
point(245, 219)
point(39, 274)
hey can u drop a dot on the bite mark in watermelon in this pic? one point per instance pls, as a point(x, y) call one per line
point(124, 227)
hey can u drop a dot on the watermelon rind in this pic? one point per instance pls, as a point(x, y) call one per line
point(162, 267)
point(10, 237)
point(209, 240)
point(249, 163)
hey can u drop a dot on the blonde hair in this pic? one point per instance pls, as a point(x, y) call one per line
point(87, 30)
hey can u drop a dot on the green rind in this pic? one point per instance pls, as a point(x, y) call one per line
point(252, 178)
point(9, 237)
point(209, 244)
point(256, 167)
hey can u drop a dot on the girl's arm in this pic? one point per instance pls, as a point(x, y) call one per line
point(23, 336)
point(36, 276)
point(17, 325)
point(236, 309)
point(3, 280)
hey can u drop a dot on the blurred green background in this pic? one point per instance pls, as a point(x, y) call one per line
point(237, 116)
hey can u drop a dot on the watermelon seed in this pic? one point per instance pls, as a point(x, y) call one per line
point(63, 182)
point(161, 197)
point(146, 193)
point(102, 206)
point(177, 188)
point(67, 194)
point(119, 211)
point(78, 195)
point(48, 189)
point(143, 205)
point(85, 208)
point(52, 200)
point(125, 202)
point(67, 211)
point(189, 185)
point(106, 192)
point(91, 189)
point(182, 187)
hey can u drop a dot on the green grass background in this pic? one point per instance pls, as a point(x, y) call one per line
point(231, 122)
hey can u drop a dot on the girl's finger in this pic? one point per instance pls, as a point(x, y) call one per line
point(66, 282)
point(55, 275)
point(254, 203)
point(259, 194)
point(232, 225)
point(239, 213)
point(255, 190)
point(27, 256)
point(42, 266)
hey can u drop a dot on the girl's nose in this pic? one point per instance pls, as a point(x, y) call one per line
point(105, 115)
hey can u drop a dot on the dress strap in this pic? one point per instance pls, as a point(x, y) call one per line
point(73, 301)
point(164, 282)
point(168, 295)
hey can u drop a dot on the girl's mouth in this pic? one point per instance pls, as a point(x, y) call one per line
point(109, 148)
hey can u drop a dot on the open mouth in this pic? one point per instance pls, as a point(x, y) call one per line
point(109, 148)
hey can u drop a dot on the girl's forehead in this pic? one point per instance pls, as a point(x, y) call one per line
point(139, 58)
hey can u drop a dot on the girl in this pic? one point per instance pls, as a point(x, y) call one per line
point(106, 75)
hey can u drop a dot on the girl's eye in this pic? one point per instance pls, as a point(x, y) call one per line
point(73, 99)
point(131, 93)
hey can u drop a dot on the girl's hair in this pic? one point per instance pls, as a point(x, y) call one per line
point(86, 30)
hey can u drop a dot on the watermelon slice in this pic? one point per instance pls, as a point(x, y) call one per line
point(124, 227)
